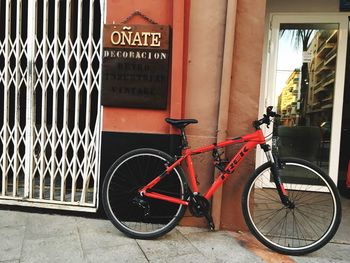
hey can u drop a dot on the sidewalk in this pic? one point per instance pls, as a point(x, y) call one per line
point(30, 237)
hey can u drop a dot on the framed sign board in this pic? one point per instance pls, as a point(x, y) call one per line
point(344, 5)
point(135, 70)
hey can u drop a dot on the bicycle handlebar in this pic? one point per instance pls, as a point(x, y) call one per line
point(266, 118)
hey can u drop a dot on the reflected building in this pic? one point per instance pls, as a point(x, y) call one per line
point(323, 48)
point(288, 105)
point(311, 122)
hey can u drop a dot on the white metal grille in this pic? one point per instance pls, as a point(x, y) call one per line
point(50, 71)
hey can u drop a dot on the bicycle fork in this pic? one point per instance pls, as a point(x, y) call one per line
point(276, 168)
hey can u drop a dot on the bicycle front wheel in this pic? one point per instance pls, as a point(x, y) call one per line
point(303, 227)
point(142, 217)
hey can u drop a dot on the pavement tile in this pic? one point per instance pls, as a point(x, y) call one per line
point(11, 242)
point(103, 239)
point(189, 258)
point(221, 247)
point(126, 253)
point(185, 230)
point(343, 233)
point(13, 218)
point(53, 249)
point(95, 225)
point(330, 253)
point(44, 226)
point(174, 244)
point(27, 237)
point(97, 233)
point(248, 241)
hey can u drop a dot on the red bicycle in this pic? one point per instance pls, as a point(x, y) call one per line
point(289, 204)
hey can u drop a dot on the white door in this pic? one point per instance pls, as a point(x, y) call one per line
point(50, 78)
point(304, 81)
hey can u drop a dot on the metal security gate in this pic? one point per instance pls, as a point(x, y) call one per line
point(50, 71)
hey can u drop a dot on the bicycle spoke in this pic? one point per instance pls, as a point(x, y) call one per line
point(139, 216)
point(306, 223)
point(268, 218)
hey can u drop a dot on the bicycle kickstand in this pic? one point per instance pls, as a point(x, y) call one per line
point(209, 218)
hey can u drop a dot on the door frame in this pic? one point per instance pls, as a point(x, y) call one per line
point(267, 94)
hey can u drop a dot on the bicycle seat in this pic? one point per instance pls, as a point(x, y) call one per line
point(180, 123)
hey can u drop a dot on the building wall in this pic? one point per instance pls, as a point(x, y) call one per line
point(125, 129)
point(163, 12)
point(213, 31)
point(302, 6)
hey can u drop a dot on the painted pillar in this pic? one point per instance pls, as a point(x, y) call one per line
point(244, 101)
point(205, 58)
point(223, 112)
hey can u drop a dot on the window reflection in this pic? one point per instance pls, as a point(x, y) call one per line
point(305, 89)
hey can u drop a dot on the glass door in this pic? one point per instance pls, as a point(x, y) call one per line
point(305, 83)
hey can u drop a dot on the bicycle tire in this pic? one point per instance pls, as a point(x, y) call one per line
point(298, 230)
point(125, 177)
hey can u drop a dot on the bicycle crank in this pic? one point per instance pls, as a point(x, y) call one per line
point(199, 206)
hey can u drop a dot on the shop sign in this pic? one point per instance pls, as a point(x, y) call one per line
point(307, 57)
point(136, 66)
point(344, 5)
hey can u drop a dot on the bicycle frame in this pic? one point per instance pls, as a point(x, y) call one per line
point(289, 224)
point(250, 140)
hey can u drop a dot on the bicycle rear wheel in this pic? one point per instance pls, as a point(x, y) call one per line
point(136, 216)
point(304, 227)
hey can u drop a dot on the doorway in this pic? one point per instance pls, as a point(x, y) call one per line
point(305, 84)
point(344, 158)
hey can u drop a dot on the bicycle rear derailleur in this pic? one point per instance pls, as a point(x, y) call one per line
point(141, 203)
point(199, 206)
